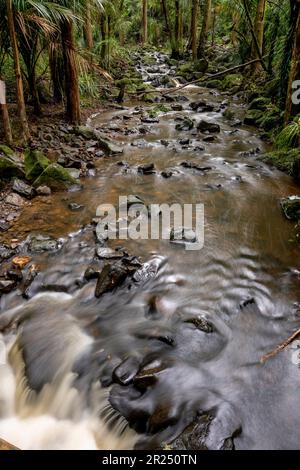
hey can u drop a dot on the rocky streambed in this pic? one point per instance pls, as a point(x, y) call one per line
point(123, 343)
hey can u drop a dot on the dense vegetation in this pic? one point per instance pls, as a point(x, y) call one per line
point(69, 52)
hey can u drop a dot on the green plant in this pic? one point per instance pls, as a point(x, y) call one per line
point(289, 136)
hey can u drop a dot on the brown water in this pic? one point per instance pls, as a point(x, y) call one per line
point(67, 340)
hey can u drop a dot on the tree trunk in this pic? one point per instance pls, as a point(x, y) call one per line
point(71, 75)
point(292, 108)
point(194, 28)
point(205, 28)
point(104, 40)
point(5, 115)
point(167, 21)
point(88, 32)
point(19, 82)
point(259, 34)
point(235, 22)
point(145, 22)
point(56, 70)
point(37, 109)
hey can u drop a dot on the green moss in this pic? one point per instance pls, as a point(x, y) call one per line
point(56, 177)
point(6, 150)
point(229, 114)
point(159, 109)
point(252, 117)
point(213, 84)
point(35, 164)
point(287, 161)
point(260, 103)
point(232, 81)
point(11, 167)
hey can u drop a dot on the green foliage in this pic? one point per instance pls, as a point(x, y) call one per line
point(287, 161)
point(289, 136)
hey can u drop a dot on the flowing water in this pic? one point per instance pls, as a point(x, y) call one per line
point(58, 349)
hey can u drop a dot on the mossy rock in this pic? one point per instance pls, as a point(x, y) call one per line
point(271, 88)
point(84, 131)
point(252, 117)
point(232, 81)
point(11, 167)
point(35, 164)
point(6, 150)
point(218, 84)
point(287, 161)
point(271, 118)
point(229, 114)
point(149, 97)
point(159, 109)
point(55, 177)
point(260, 103)
point(291, 207)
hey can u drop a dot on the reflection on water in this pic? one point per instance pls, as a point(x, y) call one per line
point(201, 324)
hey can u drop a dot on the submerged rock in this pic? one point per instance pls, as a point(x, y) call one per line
point(40, 243)
point(210, 127)
point(147, 169)
point(186, 125)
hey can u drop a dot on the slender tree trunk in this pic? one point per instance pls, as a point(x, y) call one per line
point(88, 32)
point(259, 34)
point(205, 28)
point(5, 115)
point(71, 75)
point(292, 108)
point(56, 70)
point(104, 40)
point(273, 39)
point(145, 22)
point(235, 22)
point(167, 21)
point(19, 81)
point(214, 12)
point(194, 28)
point(176, 37)
point(37, 109)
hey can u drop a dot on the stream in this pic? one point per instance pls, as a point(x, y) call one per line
point(138, 365)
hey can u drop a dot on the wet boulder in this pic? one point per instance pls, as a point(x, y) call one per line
point(147, 169)
point(209, 127)
point(185, 125)
point(291, 207)
point(127, 370)
point(111, 277)
point(41, 243)
point(23, 189)
point(6, 286)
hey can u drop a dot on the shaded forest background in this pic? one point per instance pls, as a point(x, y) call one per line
point(70, 55)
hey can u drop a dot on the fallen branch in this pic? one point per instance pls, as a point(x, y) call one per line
point(199, 80)
point(280, 347)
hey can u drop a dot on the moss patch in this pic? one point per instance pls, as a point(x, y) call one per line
point(287, 161)
point(35, 164)
point(56, 177)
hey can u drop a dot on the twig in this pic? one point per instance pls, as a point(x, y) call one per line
point(280, 347)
